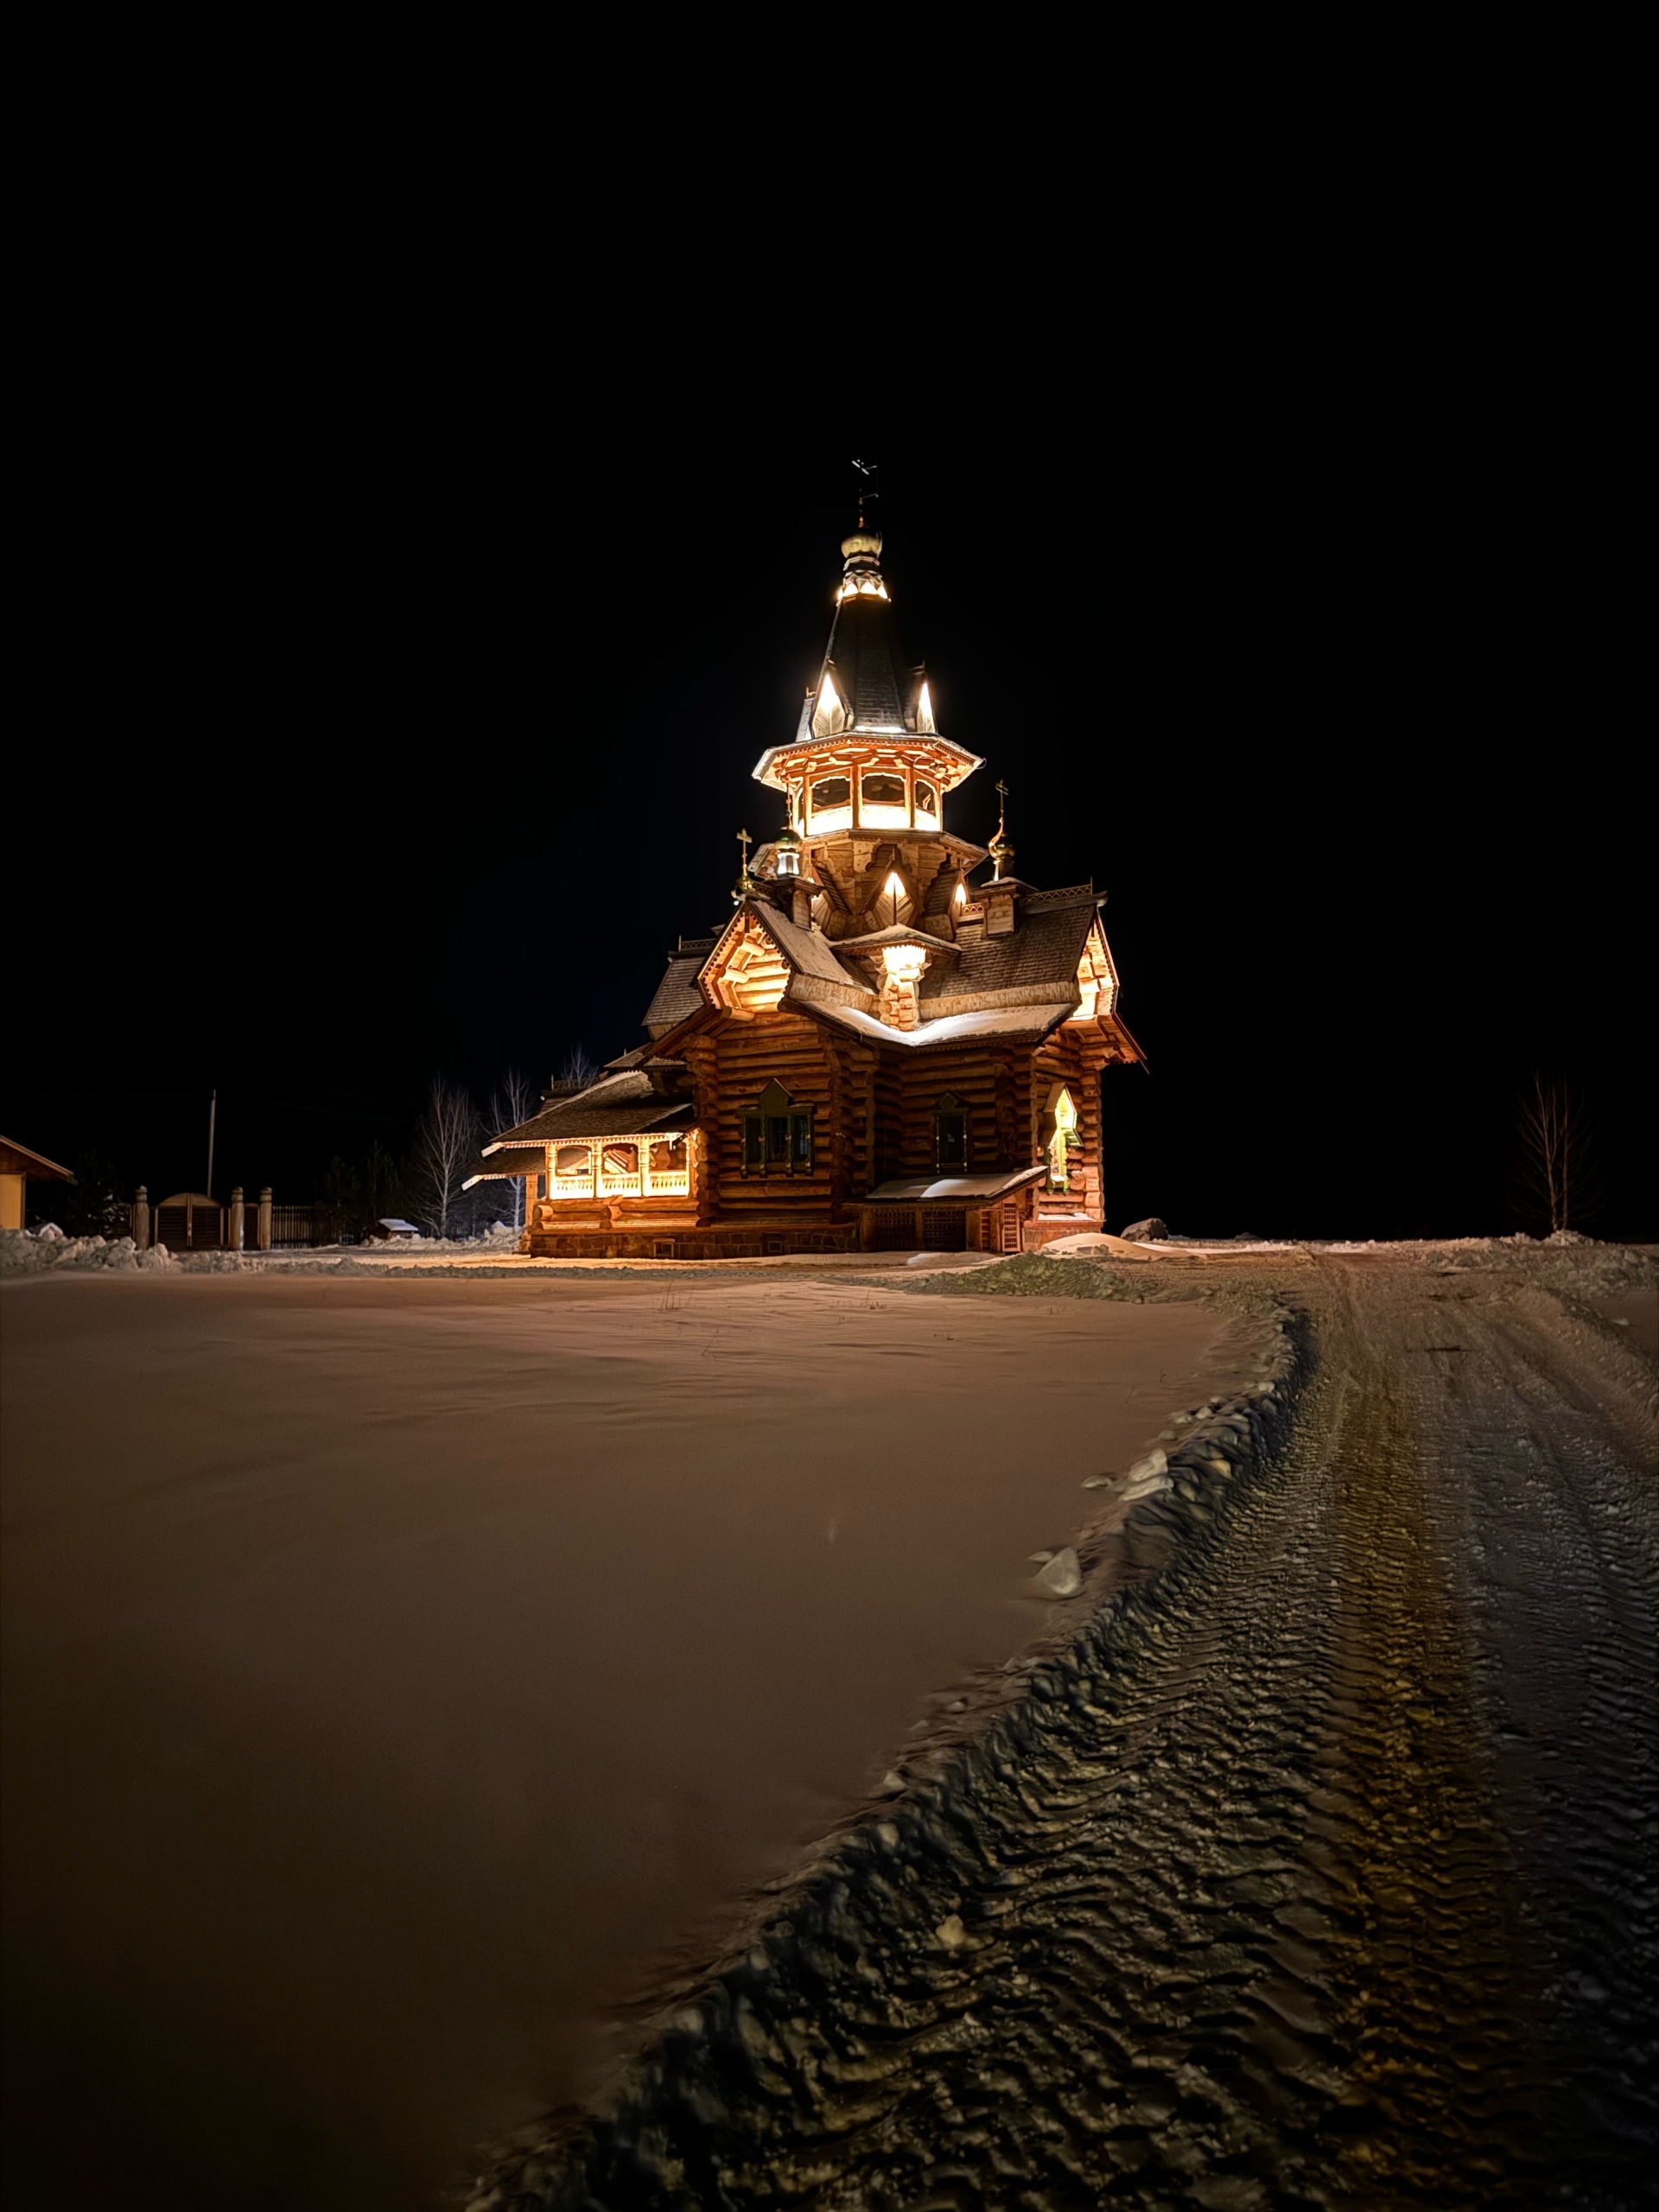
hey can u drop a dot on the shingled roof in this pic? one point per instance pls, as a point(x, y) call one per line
point(866, 665)
point(1041, 954)
point(622, 1105)
point(678, 995)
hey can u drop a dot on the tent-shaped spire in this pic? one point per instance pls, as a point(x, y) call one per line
point(864, 683)
point(865, 694)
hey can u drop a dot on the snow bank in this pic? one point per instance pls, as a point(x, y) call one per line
point(499, 1238)
point(48, 1250)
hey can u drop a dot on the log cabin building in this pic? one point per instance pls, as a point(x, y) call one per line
point(877, 1052)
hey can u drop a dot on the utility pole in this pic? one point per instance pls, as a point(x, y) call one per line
point(213, 1117)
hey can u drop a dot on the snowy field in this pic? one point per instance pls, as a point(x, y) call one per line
point(402, 1676)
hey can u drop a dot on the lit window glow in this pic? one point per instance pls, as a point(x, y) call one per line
point(828, 714)
point(903, 962)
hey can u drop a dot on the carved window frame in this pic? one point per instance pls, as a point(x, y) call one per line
point(777, 1135)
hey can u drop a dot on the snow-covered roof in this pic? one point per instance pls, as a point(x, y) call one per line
point(977, 1187)
point(997, 1022)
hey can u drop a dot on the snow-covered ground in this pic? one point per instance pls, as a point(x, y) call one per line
point(403, 1673)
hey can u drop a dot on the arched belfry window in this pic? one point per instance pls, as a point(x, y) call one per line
point(777, 1135)
point(951, 1135)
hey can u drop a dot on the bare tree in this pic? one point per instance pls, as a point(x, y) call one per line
point(579, 1069)
point(511, 1103)
point(1558, 1171)
point(445, 1148)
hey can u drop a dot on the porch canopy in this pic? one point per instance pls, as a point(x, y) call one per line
point(951, 1190)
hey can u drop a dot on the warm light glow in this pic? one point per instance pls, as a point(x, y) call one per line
point(895, 887)
point(925, 710)
point(960, 894)
point(1065, 1126)
point(903, 962)
point(828, 711)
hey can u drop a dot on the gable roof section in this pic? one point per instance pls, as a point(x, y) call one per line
point(807, 953)
point(17, 1160)
point(1039, 959)
point(677, 995)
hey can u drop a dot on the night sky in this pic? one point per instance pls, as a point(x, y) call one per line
point(402, 671)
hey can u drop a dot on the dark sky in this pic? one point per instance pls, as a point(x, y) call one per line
point(403, 663)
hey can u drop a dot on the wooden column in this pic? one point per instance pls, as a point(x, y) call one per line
point(141, 1217)
point(261, 1234)
point(237, 1218)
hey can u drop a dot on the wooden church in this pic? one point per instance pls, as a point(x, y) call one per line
point(878, 1051)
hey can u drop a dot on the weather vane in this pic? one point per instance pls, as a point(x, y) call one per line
point(869, 489)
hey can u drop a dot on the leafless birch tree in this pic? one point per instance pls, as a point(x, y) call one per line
point(514, 1102)
point(579, 1069)
point(446, 1146)
point(1557, 1166)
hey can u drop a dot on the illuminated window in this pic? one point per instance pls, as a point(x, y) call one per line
point(894, 905)
point(882, 790)
point(1061, 1139)
point(831, 790)
point(927, 799)
point(572, 1160)
point(951, 1135)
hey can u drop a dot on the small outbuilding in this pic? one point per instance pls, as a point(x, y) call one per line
point(19, 1168)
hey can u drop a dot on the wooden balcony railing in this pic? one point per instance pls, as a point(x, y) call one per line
point(620, 1168)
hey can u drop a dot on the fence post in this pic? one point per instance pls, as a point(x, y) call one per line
point(263, 1233)
point(238, 1216)
point(141, 1218)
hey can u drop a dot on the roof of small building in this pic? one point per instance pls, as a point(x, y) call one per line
point(619, 1105)
point(506, 1160)
point(17, 1160)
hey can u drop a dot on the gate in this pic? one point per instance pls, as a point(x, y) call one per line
point(190, 1221)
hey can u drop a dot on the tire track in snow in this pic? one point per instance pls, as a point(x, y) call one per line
point(1309, 1875)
